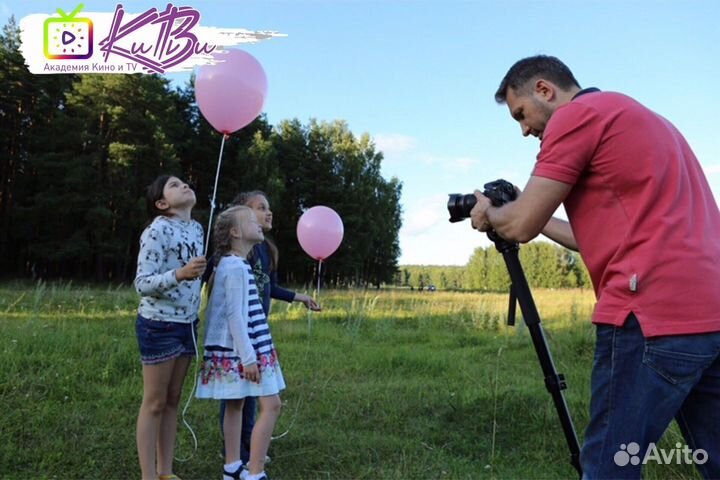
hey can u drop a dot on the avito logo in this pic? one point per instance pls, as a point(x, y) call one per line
point(629, 454)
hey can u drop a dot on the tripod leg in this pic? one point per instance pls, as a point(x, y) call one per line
point(511, 307)
point(554, 382)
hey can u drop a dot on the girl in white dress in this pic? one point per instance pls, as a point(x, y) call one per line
point(240, 359)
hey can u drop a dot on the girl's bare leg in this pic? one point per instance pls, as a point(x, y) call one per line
point(156, 381)
point(232, 429)
point(168, 422)
point(262, 433)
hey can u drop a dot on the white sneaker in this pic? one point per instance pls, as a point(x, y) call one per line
point(238, 474)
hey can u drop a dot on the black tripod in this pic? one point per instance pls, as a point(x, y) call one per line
point(501, 192)
point(554, 381)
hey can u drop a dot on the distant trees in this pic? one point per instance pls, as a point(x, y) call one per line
point(443, 277)
point(76, 152)
point(545, 265)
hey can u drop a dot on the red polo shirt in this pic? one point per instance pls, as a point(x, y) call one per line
point(642, 212)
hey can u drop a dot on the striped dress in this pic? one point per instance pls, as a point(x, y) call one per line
point(237, 334)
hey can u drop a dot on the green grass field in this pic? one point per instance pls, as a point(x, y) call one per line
point(389, 384)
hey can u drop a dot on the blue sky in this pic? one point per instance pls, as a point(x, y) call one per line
point(419, 77)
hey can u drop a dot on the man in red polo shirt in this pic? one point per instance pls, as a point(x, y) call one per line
point(644, 219)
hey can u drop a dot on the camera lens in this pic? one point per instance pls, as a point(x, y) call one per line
point(460, 205)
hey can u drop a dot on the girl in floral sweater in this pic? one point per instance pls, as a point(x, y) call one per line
point(169, 267)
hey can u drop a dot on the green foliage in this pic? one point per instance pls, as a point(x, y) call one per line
point(442, 277)
point(76, 153)
point(325, 164)
point(545, 265)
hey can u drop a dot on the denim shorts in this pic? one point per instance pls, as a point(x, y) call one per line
point(162, 341)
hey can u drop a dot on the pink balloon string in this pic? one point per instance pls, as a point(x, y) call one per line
point(212, 200)
point(316, 295)
point(319, 269)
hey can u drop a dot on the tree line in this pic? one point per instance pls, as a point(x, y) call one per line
point(545, 265)
point(76, 152)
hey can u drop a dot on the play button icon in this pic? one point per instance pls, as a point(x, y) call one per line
point(67, 37)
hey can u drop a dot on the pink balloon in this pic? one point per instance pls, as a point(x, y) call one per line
point(231, 93)
point(320, 232)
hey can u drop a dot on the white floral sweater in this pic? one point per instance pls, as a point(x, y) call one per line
point(166, 245)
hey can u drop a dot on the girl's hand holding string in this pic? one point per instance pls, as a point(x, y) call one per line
point(251, 373)
point(191, 270)
point(307, 301)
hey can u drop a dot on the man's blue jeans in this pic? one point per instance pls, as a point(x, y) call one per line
point(248, 422)
point(638, 386)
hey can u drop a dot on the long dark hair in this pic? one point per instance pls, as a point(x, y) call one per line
point(244, 198)
point(153, 193)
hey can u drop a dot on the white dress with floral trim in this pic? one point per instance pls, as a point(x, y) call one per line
point(236, 334)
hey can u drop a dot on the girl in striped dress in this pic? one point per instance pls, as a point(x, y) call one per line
point(240, 359)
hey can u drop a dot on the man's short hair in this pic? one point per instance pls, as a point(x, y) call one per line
point(539, 66)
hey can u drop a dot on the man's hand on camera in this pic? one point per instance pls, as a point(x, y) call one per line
point(478, 215)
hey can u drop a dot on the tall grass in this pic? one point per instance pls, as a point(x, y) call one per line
point(381, 384)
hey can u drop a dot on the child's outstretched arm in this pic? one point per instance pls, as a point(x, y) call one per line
point(279, 293)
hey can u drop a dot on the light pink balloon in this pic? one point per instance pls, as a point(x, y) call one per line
point(231, 93)
point(320, 232)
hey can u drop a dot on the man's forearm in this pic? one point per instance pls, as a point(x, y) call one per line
point(512, 223)
point(560, 232)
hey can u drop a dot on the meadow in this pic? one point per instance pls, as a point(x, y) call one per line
point(381, 384)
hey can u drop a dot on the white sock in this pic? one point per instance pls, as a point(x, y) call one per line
point(232, 467)
point(257, 476)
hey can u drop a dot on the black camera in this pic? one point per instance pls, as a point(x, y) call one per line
point(499, 192)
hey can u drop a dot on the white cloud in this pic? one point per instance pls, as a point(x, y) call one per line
point(428, 238)
point(423, 214)
point(443, 244)
point(450, 164)
point(465, 164)
point(393, 143)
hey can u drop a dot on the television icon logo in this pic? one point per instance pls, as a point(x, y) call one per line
point(68, 37)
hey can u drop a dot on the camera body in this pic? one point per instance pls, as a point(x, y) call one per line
point(499, 192)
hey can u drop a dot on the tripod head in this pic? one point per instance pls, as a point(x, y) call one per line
point(500, 192)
